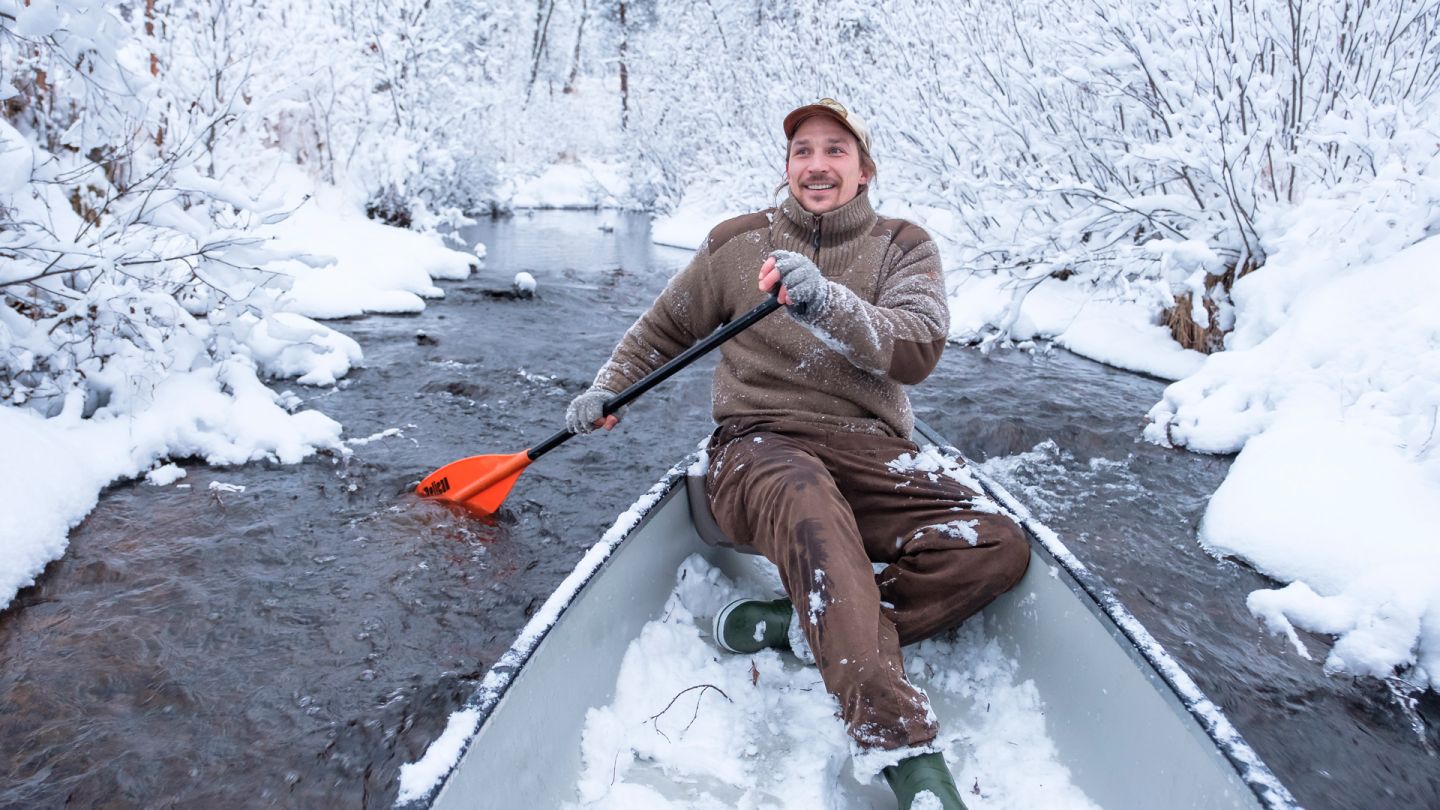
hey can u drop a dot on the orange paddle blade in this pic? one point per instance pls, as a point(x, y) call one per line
point(479, 482)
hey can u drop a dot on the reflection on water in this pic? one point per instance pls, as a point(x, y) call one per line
point(297, 642)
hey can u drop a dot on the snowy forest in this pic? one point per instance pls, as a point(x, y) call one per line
point(1259, 179)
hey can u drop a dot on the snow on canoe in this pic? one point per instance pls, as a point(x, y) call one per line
point(613, 695)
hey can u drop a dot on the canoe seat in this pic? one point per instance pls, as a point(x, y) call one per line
point(705, 524)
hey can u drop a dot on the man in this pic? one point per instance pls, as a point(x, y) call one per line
point(812, 419)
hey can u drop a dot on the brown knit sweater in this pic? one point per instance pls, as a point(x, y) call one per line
point(883, 326)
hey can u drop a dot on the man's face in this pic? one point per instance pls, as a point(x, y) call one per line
point(823, 167)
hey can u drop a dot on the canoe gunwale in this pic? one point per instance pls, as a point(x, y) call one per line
point(1252, 770)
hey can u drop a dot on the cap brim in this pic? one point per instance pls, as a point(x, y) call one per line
point(799, 114)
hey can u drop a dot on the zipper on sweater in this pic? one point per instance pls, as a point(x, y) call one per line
point(814, 243)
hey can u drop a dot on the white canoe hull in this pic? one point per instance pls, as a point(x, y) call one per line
point(1132, 729)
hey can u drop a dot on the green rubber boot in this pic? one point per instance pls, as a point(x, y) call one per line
point(913, 777)
point(751, 625)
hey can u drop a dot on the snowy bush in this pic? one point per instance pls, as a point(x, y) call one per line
point(149, 268)
point(1124, 145)
point(114, 237)
point(133, 143)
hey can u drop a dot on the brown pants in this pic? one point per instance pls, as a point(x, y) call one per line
point(823, 506)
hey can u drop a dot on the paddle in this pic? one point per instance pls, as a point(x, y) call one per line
point(482, 482)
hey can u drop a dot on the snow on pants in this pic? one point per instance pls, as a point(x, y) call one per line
point(823, 505)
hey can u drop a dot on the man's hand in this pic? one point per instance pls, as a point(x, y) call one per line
point(586, 412)
point(803, 288)
point(769, 277)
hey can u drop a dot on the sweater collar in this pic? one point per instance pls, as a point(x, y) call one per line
point(850, 220)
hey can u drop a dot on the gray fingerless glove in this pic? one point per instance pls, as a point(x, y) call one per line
point(586, 409)
point(807, 287)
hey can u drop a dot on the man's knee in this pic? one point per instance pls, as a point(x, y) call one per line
point(1012, 551)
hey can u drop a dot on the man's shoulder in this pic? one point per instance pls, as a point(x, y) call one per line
point(738, 226)
point(902, 233)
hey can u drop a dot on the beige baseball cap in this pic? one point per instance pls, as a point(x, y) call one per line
point(834, 109)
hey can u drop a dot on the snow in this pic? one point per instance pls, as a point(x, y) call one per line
point(687, 226)
point(1337, 485)
point(960, 529)
point(222, 414)
point(346, 265)
point(925, 800)
point(799, 644)
point(760, 730)
point(213, 408)
point(417, 777)
point(17, 160)
point(165, 475)
point(930, 460)
point(524, 284)
point(37, 18)
point(285, 344)
point(701, 463)
point(1119, 330)
point(577, 183)
point(375, 437)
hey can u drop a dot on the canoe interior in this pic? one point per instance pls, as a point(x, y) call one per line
point(1126, 737)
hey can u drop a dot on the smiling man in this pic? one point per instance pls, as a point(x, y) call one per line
point(807, 465)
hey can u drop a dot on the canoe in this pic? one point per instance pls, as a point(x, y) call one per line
point(1128, 726)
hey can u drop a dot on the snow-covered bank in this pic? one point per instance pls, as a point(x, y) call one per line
point(1329, 388)
point(760, 730)
point(1336, 490)
point(687, 226)
point(349, 265)
point(222, 414)
point(165, 242)
point(1105, 325)
point(207, 400)
point(573, 183)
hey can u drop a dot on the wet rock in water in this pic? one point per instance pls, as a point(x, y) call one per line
point(423, 339)
point(455, 388)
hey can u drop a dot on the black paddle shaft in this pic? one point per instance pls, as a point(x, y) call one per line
point(664, 373)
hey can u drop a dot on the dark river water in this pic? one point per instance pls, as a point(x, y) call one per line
point(295, 643)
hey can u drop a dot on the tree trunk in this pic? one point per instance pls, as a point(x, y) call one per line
point(543, 12)
point(624, 72)
point(579, 38)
